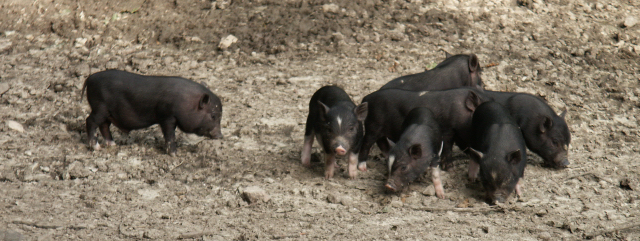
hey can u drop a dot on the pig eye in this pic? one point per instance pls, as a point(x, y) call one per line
point(403, 168)
point(352, 128)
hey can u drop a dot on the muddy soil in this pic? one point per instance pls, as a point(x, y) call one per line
point(580, 55)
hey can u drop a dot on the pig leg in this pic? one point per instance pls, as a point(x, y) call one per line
point(384, 146)
point(95, 119)
point(447, 146)
point(329, 165)
point(367, 142)
point(437, 182)
point(169, 132)
point(353, 165)
point(91, 133)
point(306, 150)
point(106, 133)
point(474, 169)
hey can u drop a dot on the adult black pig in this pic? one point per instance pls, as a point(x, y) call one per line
point(545, 132)
point(455, 71)
point(131, 101)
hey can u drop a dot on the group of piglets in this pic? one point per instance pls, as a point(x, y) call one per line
point(416, 119)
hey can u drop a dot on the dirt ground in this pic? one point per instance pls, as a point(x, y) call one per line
point(580, 55)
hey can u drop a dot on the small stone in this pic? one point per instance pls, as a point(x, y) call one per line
point(220, 4)
point(80, 42)
point(599, 6)
point(122, 176)
point(10, 235)
point(4, 87)
point(78, 170)
point(331, 8)
point(305, 192)
point(15, 126)
point(149, 194)
point(487, 229)
point(82, 70)
point(630, 21)
point(226, 42)
point(396, 203)
point(36, 177)
point(429, 191)
point(541, 212)
point(255, 194)
point(153, 234)
point(5, 45)
point(346, 200)
point(544, 236)
point(332, 198)
point(269, 180)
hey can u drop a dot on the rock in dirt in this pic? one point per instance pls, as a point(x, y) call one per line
point(10, 235)
point(429, 191)
point(255, 194)
point(630, 21)
point(149, 194)
point(226, 42)
point(77, 170)
point(625, 184)
point(153, 234)
point(330, 8)
point(4, 87)
point(396, 203)
point(5, 45)
point(15, 126)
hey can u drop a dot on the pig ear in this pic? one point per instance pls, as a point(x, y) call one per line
point(473, 63)
point(563, 114)
point(515, 157)
point(476, 155)
point(361, 111)
point(204, 101)
point(546, 124)
point(472, 101)
point(415, 151)
point(391, 143)
point(324, 109)
point(446, 54)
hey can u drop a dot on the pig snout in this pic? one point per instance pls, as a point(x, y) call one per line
point(390, 187)
point(560, 161)
point(564, 163)
point(216, 134)
point(341, 151)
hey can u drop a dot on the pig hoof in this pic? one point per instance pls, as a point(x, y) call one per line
point(111, 143)
point(328, 176)
point(306, 163)
point(440, 194)
point(96, 147)
point(362, 166)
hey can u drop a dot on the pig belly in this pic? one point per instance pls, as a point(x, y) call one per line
point(128, 120)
